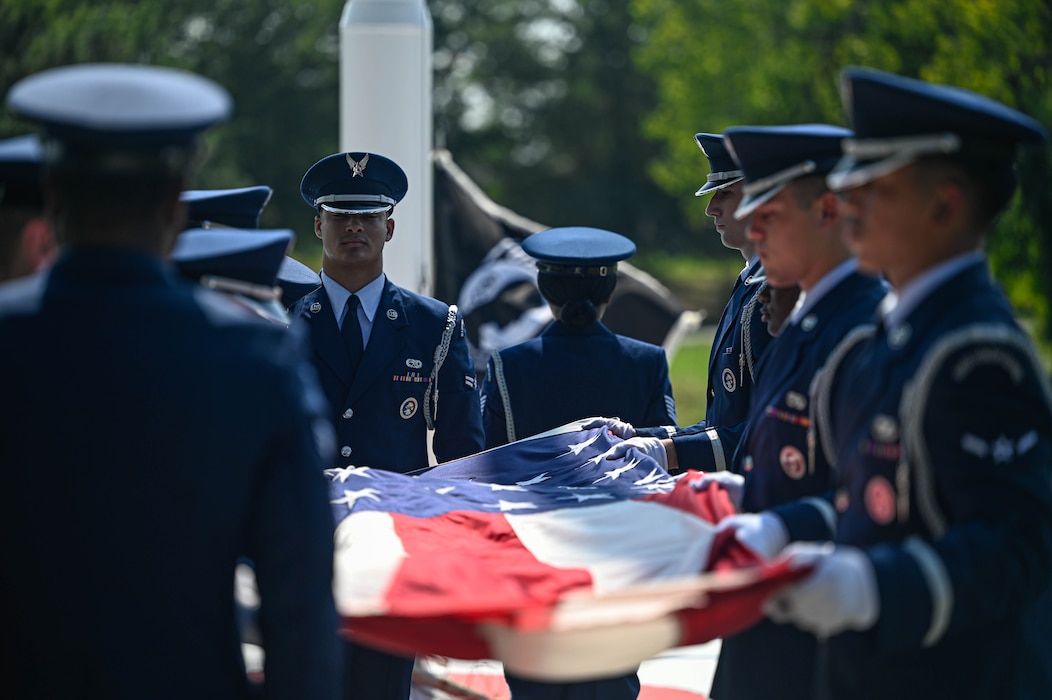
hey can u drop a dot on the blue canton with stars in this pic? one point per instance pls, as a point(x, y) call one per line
point(558, 471)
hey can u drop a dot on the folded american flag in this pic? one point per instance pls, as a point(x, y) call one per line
point(543, 554)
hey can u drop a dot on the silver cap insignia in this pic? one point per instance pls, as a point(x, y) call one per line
point(357, 166)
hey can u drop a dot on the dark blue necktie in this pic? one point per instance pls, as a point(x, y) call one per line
point(352, 333)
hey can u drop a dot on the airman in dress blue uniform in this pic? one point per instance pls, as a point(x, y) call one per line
point(198, 443)
point(577, 368)
point(394, 364)
point(740, 339)
point(591, 370)
point(27, 241)
point(796, 226)
point(938, 421)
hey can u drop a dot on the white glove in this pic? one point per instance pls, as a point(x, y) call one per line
point(615, 425)
point(840, 594)
point(651, 447)
point(733, 484)
point(764, 533)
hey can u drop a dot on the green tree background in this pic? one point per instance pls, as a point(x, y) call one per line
point(718, 64)
point(574, 111)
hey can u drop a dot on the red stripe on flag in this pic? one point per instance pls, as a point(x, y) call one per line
point(507, 576)
point(711, 504)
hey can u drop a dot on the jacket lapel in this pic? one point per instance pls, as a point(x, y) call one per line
point(316, 310)
point(724, 337)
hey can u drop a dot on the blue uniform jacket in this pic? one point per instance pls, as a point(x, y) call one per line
point(740, 341)
point(152, 435)
point(771, 660)
point(565, 374)
point(569, 373)
point(941, 432)
point(383, 415)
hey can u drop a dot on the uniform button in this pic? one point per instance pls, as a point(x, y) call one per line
point(348, 413)
point(346, 451)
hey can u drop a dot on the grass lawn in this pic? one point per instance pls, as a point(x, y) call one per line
point(689, 375)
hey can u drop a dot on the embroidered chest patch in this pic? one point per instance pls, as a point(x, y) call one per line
point(408, 408)
point(730, 382)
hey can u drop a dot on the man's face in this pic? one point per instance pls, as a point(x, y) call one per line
point(776, 303)
point(721, 208)
point(882, 220)
point(353, 240)
point(787, 238)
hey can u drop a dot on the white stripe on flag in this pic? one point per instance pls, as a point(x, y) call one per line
point(598, 538)
point(360, 583)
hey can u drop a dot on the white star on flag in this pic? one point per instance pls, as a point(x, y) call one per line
point(582, 497)
point(653, 476)
point(351, 497)
point(510, 505)
point(579, 447)
point(342, 473)
point(615, 473)
point(506, 487)
point(535, 480)
point(600, 457)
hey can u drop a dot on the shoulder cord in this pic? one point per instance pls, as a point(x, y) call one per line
point(821, 389)
point(746, 358)
point(914, 401)
point(431, 393)
point(505, 397)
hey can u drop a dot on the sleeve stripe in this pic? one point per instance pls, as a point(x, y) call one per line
point(939, 587)
point(670, 407)
point(719, 461)
point(825, 509)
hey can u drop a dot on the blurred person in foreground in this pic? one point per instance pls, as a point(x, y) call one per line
point(200, 438)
